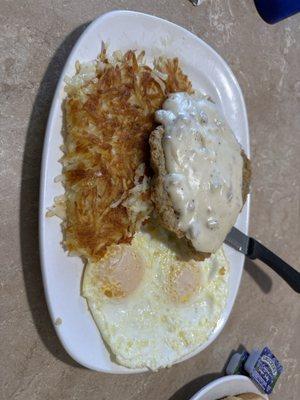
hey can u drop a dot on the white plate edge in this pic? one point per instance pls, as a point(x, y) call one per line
point(42, 206)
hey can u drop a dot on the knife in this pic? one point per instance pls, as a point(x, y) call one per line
point(255, 250)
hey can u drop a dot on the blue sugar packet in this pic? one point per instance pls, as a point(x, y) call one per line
point(263, 368)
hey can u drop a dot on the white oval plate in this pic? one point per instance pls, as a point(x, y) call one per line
point(125, 30)
point(227, 386)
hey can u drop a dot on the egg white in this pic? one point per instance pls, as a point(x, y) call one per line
point(149, 328)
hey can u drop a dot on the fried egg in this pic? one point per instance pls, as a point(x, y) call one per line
point(152, 303)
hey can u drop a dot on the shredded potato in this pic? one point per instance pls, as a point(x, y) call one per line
point(109, 114)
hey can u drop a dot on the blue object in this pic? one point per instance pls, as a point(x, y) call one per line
point(273, 11)
point(263, 368)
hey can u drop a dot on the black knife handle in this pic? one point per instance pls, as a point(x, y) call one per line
point(288, 273)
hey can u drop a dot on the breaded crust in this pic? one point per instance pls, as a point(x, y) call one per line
point(160, 197)
point(246, 176)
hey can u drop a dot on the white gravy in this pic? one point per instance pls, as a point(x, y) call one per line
point(204, 169)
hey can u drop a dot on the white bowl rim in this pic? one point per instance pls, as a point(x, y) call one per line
point(241, 381)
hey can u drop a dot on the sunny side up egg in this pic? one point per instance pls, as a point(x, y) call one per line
point(152, 303)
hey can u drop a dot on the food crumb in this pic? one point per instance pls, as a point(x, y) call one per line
point(58, 322)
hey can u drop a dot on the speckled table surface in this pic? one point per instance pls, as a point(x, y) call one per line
point(36, 38)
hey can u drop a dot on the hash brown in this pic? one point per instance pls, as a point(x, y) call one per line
point(109, 116)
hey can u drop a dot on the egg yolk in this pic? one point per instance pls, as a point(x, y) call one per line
point(184, 281)
point(121, 271)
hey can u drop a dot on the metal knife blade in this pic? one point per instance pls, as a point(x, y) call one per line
point(238, 240)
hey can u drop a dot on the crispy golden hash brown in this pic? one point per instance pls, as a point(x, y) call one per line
point(109, 114)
